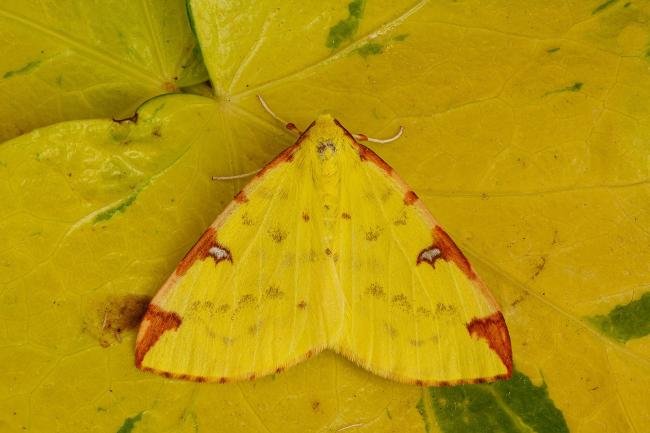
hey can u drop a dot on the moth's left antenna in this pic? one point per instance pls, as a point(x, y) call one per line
point(290, 126)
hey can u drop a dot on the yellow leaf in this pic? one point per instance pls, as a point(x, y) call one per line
point(69, 60)
point(526, 135)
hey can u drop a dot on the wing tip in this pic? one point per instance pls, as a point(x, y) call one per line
point(494, 330)
point(155, 323)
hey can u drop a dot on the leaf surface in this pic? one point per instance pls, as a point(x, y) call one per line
point(68, 59)
point(526, 134)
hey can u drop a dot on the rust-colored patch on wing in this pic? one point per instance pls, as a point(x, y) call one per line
point(365, 153)
point(241, 197)
point(368, 155)
point(202, 249)
point(286, 155)
point(410, 197)
point(155, 323)
point(451, 252)
point(443, 247)
point(494, 330)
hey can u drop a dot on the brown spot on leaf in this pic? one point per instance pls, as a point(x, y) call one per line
point(346, 216)
point(309, 354)
point(305, 216)
point(302, 305)
point(328, 252)
point(443, 247)
point(279, 370)
point(410, 197)
point(201, 250)
point(251, 377)
point(155, 323)
point(539, 267)
point(169, 86)
point(115, 315)
point(419, 383)
point(315, 405)
point(223, 380)
point(494, 331)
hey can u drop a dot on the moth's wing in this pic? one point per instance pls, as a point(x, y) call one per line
point(417, 312)
point(254, 295)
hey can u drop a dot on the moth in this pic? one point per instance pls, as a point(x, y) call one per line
point(326, 248)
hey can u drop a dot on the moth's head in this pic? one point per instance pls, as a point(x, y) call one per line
point(327, 137)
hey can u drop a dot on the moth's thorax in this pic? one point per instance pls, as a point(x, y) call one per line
point(327, 145)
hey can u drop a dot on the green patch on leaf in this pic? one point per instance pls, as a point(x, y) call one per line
point(601, 7)
point(512, 406)
point(626, 322)
point(401, 37)
point(370, 49)
point(121, 207)
point(22, 70)
point(129, 423)
point(575, 87)
point(346, 28)
point(423, 413)
point(552, 50)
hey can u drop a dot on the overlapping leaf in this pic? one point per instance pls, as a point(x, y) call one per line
point(68, 59)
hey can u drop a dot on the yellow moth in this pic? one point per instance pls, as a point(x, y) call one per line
point(325, 249)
